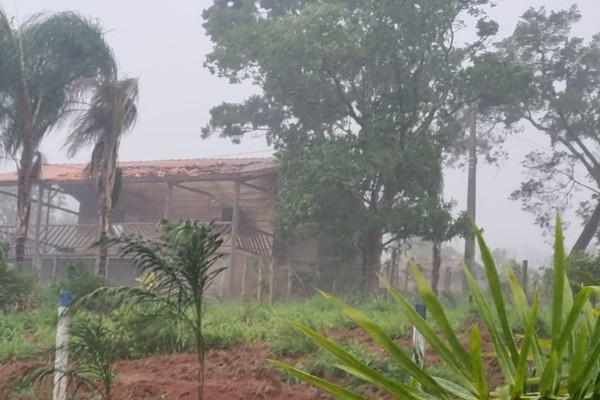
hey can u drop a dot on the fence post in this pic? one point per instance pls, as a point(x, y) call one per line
point(418, 340)
point(61, 360)
point(525, 276)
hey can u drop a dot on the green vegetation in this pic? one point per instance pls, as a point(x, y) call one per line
point(566, 365)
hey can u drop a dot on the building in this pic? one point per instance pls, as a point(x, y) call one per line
point(238, 195)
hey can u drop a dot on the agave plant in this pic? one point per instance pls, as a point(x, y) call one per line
point(564, 366)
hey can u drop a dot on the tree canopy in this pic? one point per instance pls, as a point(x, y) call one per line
point(359, 100)
point(39, 61)
point(562, 100)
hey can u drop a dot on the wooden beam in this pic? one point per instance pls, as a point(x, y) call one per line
point(168, 200)
point(202, 192)
point(45, 204)
point(262, 189)
point(234, 233)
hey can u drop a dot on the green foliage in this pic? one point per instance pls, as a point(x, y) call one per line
point(567, 368)
point(560, 98)
point(79, 280)
point(181, 263)
point(359, 99)
point(40, 60)
point(16, 286)
point(93, 347)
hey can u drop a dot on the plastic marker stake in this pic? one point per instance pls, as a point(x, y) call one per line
point(61, 360)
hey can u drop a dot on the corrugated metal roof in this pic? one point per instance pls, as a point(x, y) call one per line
point(133, 170)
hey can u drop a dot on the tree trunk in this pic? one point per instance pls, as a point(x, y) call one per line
point(589, 231)
point(200, 355)
point(437, 263)
point(25, 177)
point(371, 261)
point(23, 209)
point(105, 191)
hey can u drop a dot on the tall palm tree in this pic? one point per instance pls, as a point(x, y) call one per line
point(111, 112)
point(39, 61)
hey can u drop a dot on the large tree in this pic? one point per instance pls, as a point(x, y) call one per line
point(39, 61)
point(111, 112)
point(562, 100)
point(356, 99)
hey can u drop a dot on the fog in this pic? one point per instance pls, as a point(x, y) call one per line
point(164, 45)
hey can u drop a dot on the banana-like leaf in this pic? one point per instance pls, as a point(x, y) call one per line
point(397, 389)
point(529, 340)
point(454, 389)
point(570, 326)
point(504, 358)
point(478, 368)
point(590, 370)
point(549, 379)
point(377, 334)
point(438, 346)
point(520, 302)
point(496, 290)
point(437, 312)
point(351, 361)
point(578, 361)
point(331, 388)
point(558, 306)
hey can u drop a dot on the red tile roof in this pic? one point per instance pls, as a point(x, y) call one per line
point(142, 170)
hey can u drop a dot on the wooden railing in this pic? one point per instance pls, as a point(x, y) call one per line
point(77, 239)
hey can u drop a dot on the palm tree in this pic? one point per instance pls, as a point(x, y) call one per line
point(111, 112)
point(178, 267)
point(39, 61)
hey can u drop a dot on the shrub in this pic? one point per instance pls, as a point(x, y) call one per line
point(16, 286)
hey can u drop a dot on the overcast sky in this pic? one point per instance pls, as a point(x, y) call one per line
point(163, 44)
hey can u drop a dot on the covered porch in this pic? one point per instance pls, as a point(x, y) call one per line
point(237, 195)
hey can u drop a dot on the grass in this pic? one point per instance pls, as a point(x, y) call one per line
point(31, 334)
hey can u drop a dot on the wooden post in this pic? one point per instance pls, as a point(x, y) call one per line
point(168, 200)
point(244, 277)
point(37, 258)
point(260, 282)
point(525, 276)
point(290, 282)
point(448, 281)
point(406, 274)
point(271, 280)
point(234, 234)
point(471, 196)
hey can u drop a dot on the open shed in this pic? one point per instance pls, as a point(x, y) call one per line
point(237, 194)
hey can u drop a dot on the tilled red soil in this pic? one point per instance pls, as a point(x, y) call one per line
point(238, 373)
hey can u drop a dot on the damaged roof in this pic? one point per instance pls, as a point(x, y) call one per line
point(160, 170)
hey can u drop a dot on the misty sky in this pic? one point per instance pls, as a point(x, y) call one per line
point(163, 44)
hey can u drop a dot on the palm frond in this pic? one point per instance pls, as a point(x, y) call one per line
point(110, 112)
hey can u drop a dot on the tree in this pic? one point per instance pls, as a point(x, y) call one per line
point(356, 100)
point(39, 61)
point(562, 99)
point(112, 111)
point(181, 263)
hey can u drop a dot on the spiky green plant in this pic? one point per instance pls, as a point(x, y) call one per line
point(564, 366)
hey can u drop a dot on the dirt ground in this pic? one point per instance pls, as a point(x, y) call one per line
point(236, 374)
point(233, 374)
